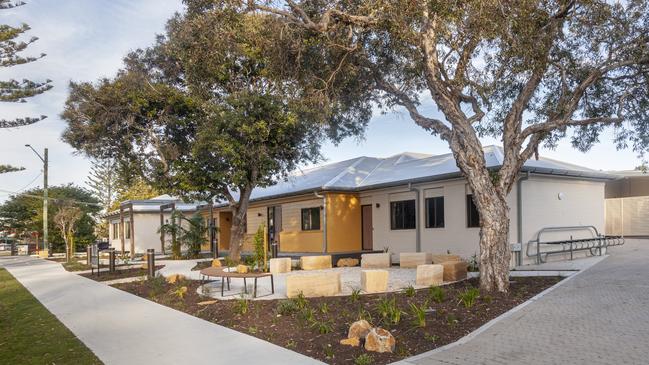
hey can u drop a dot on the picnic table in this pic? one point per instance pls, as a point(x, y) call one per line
point(226, 273)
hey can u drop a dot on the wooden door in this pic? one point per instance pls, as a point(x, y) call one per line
point(366, 218)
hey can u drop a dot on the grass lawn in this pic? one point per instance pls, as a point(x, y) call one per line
point(30, 334)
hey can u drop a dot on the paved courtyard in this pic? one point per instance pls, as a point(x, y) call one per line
point(600, 316)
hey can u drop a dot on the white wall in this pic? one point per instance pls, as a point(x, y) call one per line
point(147, 233)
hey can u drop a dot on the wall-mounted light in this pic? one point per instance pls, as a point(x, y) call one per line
point(561, 196)
point(378, 205)
point(259, 214)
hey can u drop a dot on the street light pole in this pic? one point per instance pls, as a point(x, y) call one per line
point(44, 158)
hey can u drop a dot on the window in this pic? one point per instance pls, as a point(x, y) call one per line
point(311, 219)
point(403, 214)
point(115, 231)
point(127, 230)
point(472, 215)
point(435, 212)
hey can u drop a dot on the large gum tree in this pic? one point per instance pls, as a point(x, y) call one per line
point(527, 72)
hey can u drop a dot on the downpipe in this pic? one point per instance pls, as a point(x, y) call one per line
point(324, 220)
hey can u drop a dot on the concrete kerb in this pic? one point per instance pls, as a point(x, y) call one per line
point(492, 322)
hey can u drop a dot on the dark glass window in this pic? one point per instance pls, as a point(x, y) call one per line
point(127, 230)
point(403, 214)
point(472, 215)
point(115, 231)
point(311, 219)
point(435, 212)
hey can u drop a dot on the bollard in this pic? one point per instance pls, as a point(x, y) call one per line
point(89, 255)
point(150, 261)
point(274, 249)
point(111, 260)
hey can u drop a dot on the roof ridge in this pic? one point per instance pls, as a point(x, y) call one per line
point(343, 173)
point(381, 161)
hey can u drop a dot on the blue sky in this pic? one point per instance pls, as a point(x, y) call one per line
point(86, 39)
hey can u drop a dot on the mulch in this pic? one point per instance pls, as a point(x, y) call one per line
point(119, 274)
point(446, 322)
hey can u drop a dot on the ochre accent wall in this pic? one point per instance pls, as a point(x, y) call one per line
point(343, 222)
point(301, 241)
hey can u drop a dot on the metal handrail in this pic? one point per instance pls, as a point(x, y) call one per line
point(593, 244)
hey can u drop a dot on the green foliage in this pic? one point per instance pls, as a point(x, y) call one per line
point(418, 314)
point(389, 310)
point(355, 296)
point(189, 232)
point(323, 327)
point(436, 294)
point(156, 286)
point(474, 265)
point(364, 314)
point(410, 291)
point(452, 320)
point(286, 307)
point(307, 315)
point(363, 359)
point(241, 306)
point(102, 182)
point(431, 338)
point(300, 301)
point(328, 351)
point(24, 213)
point(259, 249)
point(8, 168)
point(469, 296)
point(324, 308)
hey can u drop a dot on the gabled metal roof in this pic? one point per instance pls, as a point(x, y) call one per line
point(364, 173)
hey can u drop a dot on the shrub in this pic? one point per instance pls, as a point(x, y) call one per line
point(156, 285)
point(418, 314)
point(259, 250)
point(469, 296)
point(410, 291)
point(363, 359)
point(436, 294)
point(286, 307)
point(474, 265)
point(241, 306)
point(388, 309)
point(180, 292)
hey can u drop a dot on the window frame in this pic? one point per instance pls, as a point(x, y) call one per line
point(309, 226)
point(127, 230)
point(435, 223)
point(470, 206)
point(393, 221)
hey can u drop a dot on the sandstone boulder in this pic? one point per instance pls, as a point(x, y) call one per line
point(174, 278)
point(354, 342)
point(216, 263)
point(380, 340)
point(242, 269)
point(347, 262)
point(359, 329)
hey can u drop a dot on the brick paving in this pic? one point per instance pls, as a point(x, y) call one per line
point(601, 316)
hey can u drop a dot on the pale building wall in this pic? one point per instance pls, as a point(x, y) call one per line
point(147, 235)
point(628, 216)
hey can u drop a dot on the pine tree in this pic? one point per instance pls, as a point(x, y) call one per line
point(15, 91)
point(102, 182)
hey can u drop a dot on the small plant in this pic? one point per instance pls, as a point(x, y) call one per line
point(241, 306)
point(451, 319)
point(364, 314)
point(474, 265)
point(156, 285)
point(436, 294)
point(259, 250)
point(286, 307)
point(180, 292)
point(328, 351)
point(487, 299)
point(300, 301)
point(252, 330)
point(290, 344)
point(469, 296)
point(356, 295)
point(418, 314)
point(228, 262)
point(431, 338)
point(324, 308)
point(389, 310)
point(307, 315)
point(410, 291)
point(323, 327)
point(363, 359)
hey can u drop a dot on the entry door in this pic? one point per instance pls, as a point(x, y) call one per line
point(274, 224)
point(366, 217)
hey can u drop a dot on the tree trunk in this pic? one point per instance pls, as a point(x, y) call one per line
point(238, 233)
point(494, 245)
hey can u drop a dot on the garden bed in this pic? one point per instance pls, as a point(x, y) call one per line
point(315, 326)
point(120, 274)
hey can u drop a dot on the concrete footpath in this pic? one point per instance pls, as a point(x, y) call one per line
point(121, 328)
point(600, 316)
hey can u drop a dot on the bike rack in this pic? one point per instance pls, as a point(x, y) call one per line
point(593, 244)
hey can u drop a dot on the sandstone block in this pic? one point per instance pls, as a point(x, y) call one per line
point(207, 302)
point(380, 340)
point(374, 281)
point(414, 259)
point(438, 259)
point(174, 278)
point(280, 265)
point(216, 263)
point(315, 262)
point(354, 342)
point(359, 329)
point(315, 285)
point(430, 274)
point(375, 260)
point(347, 262)
point(454, 270)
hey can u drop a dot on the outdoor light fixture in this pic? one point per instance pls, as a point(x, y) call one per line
point(378, 205)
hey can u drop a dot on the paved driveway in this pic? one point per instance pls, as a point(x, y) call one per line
point(121, 328)
point(601, 316)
